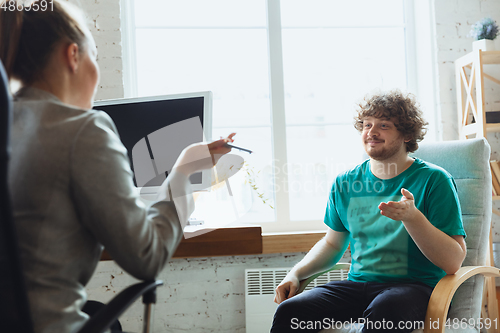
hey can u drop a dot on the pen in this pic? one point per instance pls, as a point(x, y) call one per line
point(239, 148)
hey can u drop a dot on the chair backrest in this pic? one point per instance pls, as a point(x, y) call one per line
point(468, 162)
point(14, 308)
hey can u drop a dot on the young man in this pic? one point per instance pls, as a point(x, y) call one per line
point(402, 218)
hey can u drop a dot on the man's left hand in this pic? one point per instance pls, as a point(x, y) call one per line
point(402, 210)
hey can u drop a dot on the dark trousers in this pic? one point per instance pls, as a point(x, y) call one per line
point(382, 307)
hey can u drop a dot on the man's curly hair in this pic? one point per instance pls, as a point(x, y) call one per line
point(402, 108)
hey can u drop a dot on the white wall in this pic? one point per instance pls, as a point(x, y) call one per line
point(199, 296)
point(453, 21)
point(207, 295)
point(104, 22)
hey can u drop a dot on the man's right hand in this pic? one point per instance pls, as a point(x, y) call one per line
point(321, 257)
point(287, 288)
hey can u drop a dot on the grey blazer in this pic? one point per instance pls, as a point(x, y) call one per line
point(72, 193)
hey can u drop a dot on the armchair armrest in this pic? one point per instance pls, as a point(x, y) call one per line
point(105, 317)
point(440, 300)
point(304, 283)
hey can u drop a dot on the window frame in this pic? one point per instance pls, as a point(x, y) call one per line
point(413, 13)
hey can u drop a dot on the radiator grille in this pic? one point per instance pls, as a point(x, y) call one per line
point(264, 281)
point(336, 275)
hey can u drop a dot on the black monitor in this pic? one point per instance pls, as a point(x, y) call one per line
point(156, 129)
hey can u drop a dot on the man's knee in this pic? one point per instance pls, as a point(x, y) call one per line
point(283, 316)
point(287, 310)
point(398, 310)
point(397, 316)
point(292, 314)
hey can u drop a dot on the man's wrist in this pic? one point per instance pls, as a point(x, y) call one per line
point(293, 274)
point(414, 218)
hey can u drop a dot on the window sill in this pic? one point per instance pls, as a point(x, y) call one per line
point(236, 241)
point(290, 242)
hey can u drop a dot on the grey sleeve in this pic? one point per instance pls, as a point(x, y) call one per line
point(140, 239)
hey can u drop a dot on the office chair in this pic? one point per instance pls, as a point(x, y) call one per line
point(14, 307)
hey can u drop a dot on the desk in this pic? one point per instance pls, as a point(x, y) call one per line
point(228, 241)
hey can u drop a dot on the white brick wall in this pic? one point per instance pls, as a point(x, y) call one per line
point(199, 296)
point(104, 19)
point(453, 21)
point(207, 295)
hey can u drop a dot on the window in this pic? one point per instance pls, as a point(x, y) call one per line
point(285, 75)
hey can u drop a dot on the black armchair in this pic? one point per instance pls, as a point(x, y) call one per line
point(14, 306)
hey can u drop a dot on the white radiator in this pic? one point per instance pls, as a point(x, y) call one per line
point(259, 294)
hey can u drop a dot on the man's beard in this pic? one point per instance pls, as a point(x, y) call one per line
point(383, 154)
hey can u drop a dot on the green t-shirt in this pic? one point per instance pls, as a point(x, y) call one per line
point(381, 248)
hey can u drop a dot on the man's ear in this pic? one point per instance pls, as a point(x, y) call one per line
point(72, 55)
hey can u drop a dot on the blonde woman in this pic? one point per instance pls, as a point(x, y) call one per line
point(70, 179)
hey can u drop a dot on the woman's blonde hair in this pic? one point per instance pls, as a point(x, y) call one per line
point(28, 37)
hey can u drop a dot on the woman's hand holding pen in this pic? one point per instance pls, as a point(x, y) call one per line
point(219, 147)
point(201, 156)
